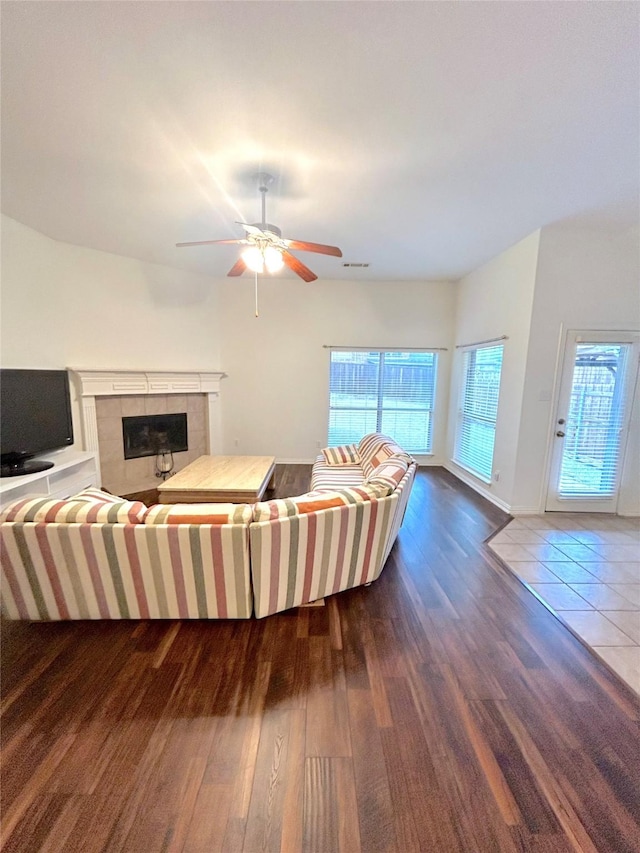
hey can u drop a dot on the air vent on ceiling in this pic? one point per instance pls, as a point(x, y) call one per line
point(355, 265)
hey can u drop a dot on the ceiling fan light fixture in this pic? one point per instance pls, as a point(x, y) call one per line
point(273, 259)
point(253, 258)
point(266, 249)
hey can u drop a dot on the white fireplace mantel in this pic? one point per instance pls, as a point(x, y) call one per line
point(108, 383)
point(93, 383)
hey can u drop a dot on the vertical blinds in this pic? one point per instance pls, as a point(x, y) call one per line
point(388, 392)
point(592, 446)
point(478, 411)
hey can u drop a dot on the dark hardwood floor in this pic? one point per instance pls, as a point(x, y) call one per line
point(441, 709)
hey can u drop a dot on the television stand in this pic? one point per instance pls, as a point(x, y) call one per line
point(69, 473)
point(24, 467)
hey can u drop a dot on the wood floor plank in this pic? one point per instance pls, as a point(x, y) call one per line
point(329, 798)
point(404, 817)
point(320, 831)
point(264, 827)
point(287, 687)
point(443, 711)
point(204, 834)
point(546, 782)
point(56, 840)
point(442, 708)
point(373, 796)
point(327, 730)
point(34, 825)
point(36, 786)
point(346, 806)
point(292, 837)
point(435, 823)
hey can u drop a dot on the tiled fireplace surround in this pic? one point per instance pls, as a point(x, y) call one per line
point(123, 476)
point(109, 395)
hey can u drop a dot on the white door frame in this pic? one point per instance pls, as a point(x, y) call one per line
point(560, 410)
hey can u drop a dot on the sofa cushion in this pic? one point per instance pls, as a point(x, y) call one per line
point(87, 506)
point(325, 476)
point(376, 448)
point(199, 514)
point(316, 501)
point(343, 454)
point(390, 472)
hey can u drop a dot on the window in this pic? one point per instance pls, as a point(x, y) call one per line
point(478, 411)
point(591, 452)
point(388, 392)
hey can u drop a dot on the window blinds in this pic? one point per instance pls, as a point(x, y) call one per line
point(592, 448)
point(478, 411)
point(381, 391)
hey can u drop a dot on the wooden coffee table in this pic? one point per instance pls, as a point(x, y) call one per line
point(220, 479)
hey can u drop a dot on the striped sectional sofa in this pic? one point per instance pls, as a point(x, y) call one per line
point(340, 534)
point(99, 556)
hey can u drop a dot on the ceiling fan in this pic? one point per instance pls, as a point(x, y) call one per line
point(266, 248)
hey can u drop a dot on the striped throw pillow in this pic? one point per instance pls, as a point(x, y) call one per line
point(390, 472)
point(87, 506)
point(344, 454)
point(376, 448)
point(316, 501)
point(199, 514)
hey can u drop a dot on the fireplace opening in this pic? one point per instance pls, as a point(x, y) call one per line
point(147, 435)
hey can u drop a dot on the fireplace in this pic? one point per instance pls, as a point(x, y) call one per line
point(108, 396)
point(148, 435)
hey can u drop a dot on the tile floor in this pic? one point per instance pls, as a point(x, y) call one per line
point(586, 568)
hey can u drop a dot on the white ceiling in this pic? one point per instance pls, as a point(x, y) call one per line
point(423, 138)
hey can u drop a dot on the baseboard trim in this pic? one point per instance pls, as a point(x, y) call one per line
point(526, 510)
point(477, 487)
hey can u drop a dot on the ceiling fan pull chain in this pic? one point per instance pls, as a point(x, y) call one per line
point(256, 275)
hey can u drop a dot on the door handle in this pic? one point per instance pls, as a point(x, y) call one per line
point(560, 434)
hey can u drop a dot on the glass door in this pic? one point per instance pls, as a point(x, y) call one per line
point(590, 427)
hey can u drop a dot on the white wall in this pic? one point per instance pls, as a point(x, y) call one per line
point(587, 279)
point(64, 305)
point(496, 300)
point(68, 306)
point(276, 398)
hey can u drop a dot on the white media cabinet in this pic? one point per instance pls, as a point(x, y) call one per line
point(72, 472)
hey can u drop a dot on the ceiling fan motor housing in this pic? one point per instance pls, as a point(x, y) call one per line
point(266, 226)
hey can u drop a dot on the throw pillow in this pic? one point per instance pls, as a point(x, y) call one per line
point(389, 473)
point(343, 454)
point(376, 448)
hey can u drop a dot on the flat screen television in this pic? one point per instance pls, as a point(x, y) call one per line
point(35, 416)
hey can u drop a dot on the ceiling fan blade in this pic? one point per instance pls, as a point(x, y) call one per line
point(298, 267)
point(209, 242)
point(238, 268)
point(303, 246)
